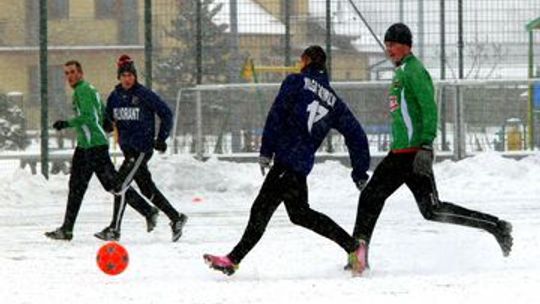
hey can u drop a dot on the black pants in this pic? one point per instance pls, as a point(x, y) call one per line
point(135, 168)
point(390, 174)
point(282, 185)
point(85, 163)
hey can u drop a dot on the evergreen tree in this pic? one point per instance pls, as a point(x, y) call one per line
point(12, 126)
point(177, 69)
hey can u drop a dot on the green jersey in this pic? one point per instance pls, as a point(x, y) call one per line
point(89, 120)
point(412, 106)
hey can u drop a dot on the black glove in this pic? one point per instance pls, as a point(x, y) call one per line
point(264, 163)
point(423, 161)
point(160, 146)
point(108, 125)
point(361, 184)
point(60, 124)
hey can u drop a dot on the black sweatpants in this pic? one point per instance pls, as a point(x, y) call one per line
point(135, 168)
point(283, 185)
point(85, 163)
point(396, 170)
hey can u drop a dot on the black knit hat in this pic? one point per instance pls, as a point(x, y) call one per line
point(317, 56)
point(400, 33)
point(125, 64)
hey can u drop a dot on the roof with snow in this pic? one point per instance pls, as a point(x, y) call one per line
point(495, 32)
point(252, 18)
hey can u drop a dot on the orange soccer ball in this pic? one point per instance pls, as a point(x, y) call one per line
point(112, 258)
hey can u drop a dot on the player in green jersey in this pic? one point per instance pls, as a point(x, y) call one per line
point(413, 109)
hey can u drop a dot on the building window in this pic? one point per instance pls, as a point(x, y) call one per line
point(58, 9)
point(129, 22)
point(105, 9)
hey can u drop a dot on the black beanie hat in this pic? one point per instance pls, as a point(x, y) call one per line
point(126, 64)
point(317, 56)
point(399, 32)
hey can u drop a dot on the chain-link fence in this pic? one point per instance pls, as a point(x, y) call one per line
point(274, 33)
point(474, 116)
point(242, 41)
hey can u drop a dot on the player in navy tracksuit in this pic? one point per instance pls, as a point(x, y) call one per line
point(132, 108)
point(304, 111)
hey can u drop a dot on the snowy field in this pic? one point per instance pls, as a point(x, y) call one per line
point(412, 260)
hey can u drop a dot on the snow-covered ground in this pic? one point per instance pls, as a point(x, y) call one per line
point(412, 260)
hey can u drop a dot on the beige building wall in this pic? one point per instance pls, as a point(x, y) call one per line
point(12, 22)
point(19, 58)
point(99, 69)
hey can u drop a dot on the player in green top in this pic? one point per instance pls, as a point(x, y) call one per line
point(89, 120)
point(414, 127)
point(412, 106)
point(91, 155)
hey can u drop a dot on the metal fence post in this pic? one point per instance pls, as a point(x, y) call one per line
point(148, 42)
point(530, 116)
point(461, 44)
point(199, 67)
point(199, 147)
point(420, 36)
point(43, 72)
point(441, 119)
point(443, 40)
point(401, 11)
point(234, 42)
point(329, 145)
point(459, 128)
point(329, 38)
point(198, 43)
point(456, 124)
point(176, 118)
point(287, 13)
point(460, 135)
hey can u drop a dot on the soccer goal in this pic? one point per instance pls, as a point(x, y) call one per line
point(228, 119)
